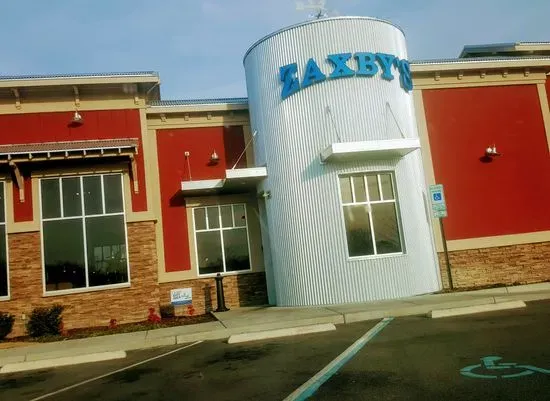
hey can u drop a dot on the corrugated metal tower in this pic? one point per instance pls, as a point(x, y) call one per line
point(331, 100)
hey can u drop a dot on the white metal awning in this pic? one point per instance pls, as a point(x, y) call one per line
point(235, 181)
point(369, 150)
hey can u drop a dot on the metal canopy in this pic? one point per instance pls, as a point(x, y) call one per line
point(235, 181)
point(369, 150)
point(14, 154)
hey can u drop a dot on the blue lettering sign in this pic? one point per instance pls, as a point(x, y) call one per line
point(366, 65)
point(341, 69)
point(313, 74)
point(291, 84)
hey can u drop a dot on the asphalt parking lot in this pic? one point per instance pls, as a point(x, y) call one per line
point(413, 358)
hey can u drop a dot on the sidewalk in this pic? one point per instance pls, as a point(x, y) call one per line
point(253, 319)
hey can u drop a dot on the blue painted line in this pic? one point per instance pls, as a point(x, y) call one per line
point(313, 384)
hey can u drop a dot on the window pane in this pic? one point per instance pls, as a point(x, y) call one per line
point(374, 191)
point(240, 215)
point(106, 243)
point(209, 251)
point(235, 243)
point(359, 188)
point(213, 217)
point(2, 203)
point(358, 230)
point(3, 263)
point(345, 189)
point(51, 204)
point(113, 193)
point(64, 254)
point(92, 195)
point(386, 229)
point(200, 219)
point(387, 187)
point(227, 216)
point(72, 205)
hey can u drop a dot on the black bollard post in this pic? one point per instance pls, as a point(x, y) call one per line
point(219, 294)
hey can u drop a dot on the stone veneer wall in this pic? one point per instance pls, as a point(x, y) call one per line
point(86, 309)
point(509, 265)
point(239, 290)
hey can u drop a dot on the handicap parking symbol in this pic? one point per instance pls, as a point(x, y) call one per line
point(437, 197)
point(490, 369)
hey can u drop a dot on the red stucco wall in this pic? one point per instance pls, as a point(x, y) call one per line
point(173, 168)
point(54, 127)
point(509, 195)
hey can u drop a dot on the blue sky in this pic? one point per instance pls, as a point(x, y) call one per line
point(197, 45)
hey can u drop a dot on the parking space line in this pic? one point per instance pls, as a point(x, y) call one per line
point(307, 389)
point(42, 397)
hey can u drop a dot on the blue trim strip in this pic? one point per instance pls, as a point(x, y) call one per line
point(341, 360)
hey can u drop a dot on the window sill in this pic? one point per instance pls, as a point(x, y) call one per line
point(85, 290)
point(6, 298)
point(376, 257)
point(224, 274)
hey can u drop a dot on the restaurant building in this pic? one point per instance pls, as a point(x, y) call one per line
point(312, 190)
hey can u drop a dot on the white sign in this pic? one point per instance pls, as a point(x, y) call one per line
point(437, 200)
point(181, 296)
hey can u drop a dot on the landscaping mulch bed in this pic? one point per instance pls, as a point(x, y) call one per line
point(121, 328)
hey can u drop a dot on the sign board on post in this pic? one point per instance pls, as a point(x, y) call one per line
point(437, 200)
point(181, 296)
point(439, 210)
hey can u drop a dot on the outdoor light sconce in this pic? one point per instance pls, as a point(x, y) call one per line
point(77, 119)
point(491, 151)
point(214, 158)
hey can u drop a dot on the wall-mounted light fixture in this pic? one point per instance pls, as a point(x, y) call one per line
point(489, 154)
point(77, 119)
point(492, 151)
point(214, 158)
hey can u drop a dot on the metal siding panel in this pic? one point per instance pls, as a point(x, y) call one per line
point(308, 240)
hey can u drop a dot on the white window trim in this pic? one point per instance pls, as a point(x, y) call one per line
point(220, 229)
point(8, 296)
point(368, 202)
point(83, 217)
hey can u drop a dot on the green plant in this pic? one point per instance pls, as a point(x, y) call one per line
point(45, 321)
point(6, 324)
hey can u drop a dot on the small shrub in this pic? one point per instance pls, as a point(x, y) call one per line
point(6, 324)
point(45, 321)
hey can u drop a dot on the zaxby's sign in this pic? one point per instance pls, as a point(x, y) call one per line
point(362, 64)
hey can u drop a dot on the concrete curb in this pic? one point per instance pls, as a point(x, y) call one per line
point(484, 300)
point(291, 331)
point(466, 310)
point(57, 362)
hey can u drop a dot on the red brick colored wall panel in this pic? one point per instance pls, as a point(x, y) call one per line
point(55, 127)
point(233, 139)
point(94, 308)
point(23, 211)
point(506, 265)
point(508, 195)
point(174, 168)
point(239, 290)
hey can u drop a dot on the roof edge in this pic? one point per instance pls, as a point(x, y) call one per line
point(316, 21)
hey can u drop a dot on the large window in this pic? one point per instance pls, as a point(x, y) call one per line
point(83, 232)
point(221, 235)
point(4, 275)
point(370, 214)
